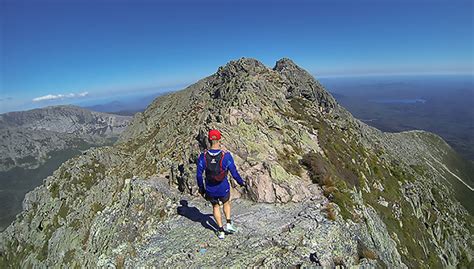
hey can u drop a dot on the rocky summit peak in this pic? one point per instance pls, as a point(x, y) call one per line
point(285, 63)
point(241, 66)
point(236, 81)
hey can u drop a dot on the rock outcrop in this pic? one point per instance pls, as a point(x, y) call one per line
point(324, 188)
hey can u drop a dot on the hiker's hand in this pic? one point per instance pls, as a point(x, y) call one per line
point(245, 186)
point(202, 192)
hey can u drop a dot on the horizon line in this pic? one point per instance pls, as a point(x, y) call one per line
point(149, 89)
point(390, 74)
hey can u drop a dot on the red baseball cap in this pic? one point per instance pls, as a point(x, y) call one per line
point(214, 135)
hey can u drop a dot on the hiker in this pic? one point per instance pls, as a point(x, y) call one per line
point(217, 162)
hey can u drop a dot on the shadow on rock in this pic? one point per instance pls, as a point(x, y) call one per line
point(195, 215)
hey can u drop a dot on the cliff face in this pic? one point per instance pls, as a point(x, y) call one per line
point(29, 136)
point(324, 188)
point(66, 119)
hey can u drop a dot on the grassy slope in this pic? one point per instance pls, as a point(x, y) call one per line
point(460, 167)
point(347, 165)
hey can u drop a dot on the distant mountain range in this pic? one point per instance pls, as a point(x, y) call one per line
point(28, 136)
point(128, 108)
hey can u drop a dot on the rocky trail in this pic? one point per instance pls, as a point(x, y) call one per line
point(263, 229)
point(292, 234)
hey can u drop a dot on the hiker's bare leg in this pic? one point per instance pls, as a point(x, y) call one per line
point(217, 214)
point(227, 210)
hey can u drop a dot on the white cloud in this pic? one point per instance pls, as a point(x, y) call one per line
point(59, 96)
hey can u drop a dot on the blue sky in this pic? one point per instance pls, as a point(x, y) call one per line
point(85, 50)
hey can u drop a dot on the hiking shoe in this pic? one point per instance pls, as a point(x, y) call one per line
point(229, 227)
point(220, 234)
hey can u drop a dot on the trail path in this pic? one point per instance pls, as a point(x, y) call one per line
point(265, 230)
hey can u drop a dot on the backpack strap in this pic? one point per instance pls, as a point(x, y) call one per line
point(223, 152)
point(205, 153)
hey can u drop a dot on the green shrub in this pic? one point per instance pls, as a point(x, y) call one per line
point(316, 166)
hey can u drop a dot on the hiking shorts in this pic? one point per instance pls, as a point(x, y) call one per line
point(215, 200)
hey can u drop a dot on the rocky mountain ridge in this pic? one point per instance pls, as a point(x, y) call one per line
point(324, 188)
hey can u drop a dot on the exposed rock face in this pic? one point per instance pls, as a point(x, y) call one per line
point(304, 85)
point(316, 178)
point(29, 136)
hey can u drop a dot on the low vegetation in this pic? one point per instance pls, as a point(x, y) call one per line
point(339, 172)
point(330, 211)
point(289, 161)
point(316, 166)
point(364, 252)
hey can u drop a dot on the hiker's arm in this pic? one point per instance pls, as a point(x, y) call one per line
point(200, 170)
point(233, 170)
